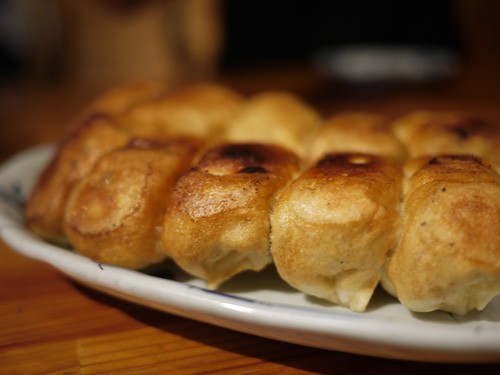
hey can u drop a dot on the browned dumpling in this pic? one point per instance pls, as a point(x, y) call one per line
point(277, 118)
point(356, 132)
point(449, 254)
point(74, 158)
point(413, 203)
point(90, 135)
point(427, 133)
point(114, 214)
point(333, 227)
point(217, 220)
point(120, 99)
point(202, 111)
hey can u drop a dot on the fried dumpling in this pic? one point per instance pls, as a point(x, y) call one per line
point(92, 134)
point(277, 118)
point(217, 219)
point(201, 111)
point(356, 132)
point(449, 254)
point(333, 227)
point(74, 158)
point(428, 133)
point(114, 214)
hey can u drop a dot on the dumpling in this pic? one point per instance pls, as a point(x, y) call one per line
point(449, 254)
point(217, 220)
point(333, 227)
point(114, 214)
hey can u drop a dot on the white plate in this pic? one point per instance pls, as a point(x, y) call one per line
point(258, 303)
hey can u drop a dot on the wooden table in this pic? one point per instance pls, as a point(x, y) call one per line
point(49, 324)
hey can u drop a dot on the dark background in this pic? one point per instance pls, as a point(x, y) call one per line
point(260, 31)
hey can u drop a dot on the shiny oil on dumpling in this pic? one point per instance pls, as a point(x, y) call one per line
point(74, 158)
point(114, 214)
point(90, 135)
point(217, 219)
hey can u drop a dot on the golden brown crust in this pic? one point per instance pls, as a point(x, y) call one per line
point(356, 132)
point(116, 101)
point(335, 224)
point(202, 111)
point(217, 220)
point(114, 214)
point(451, 240)
point(277, 118)
point(74, 158)
point(332, 227)
point(447, 168)
point(122, 98)
point(91, 135)
point(427, 133)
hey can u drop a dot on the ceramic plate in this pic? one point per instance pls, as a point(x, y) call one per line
point(257, 303)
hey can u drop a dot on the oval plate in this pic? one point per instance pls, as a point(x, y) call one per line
point(256, 303)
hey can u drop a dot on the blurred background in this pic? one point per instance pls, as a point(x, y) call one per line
point(383, 56)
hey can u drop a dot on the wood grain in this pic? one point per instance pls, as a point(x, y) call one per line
point(49, 324)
